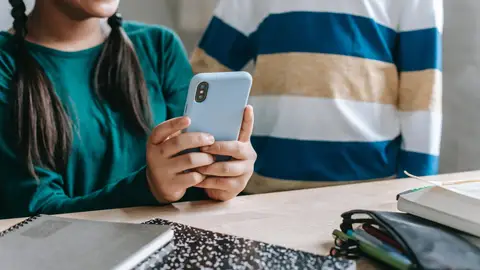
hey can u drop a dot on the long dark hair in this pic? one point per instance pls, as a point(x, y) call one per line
point(43, 130)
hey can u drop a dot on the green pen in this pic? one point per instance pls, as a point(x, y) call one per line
point(375, 252)
point(411, 190)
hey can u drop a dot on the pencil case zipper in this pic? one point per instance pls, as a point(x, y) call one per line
point(348, 222)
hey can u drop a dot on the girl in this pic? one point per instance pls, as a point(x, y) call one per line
point(79, 101)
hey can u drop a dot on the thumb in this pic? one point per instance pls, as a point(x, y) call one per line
point(247, 125)
point(168, 128)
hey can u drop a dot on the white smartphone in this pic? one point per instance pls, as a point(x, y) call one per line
point(216, 103)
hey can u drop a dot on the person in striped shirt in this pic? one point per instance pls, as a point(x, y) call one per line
point(343, 90)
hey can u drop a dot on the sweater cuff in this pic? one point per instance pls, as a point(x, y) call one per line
point(140, 189)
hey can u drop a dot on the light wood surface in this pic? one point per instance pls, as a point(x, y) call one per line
point(301, 219)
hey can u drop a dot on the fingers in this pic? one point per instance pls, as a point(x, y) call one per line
point(225, 169)
point(190, 161)
point(174, 135)
point(186, 180)
point(166, 129)
point(185, 141)
point(235, 149)
point(247, 125)
point(221, 195)
point(168, 189)
point(232, 185)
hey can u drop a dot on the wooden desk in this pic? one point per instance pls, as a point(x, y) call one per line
point(301, 219)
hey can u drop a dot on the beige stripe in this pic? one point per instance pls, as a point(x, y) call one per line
point(260, 184)
point(202, 63)
point(326, 76)
point(420, 91)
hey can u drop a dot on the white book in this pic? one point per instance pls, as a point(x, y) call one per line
point(48, 242)
point(454, 204)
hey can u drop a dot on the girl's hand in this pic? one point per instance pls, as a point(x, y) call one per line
point(166, 175)
point(225, 180)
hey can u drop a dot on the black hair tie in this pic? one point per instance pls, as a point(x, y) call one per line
point(19, 17)
point(18, 9)
point(115, 21)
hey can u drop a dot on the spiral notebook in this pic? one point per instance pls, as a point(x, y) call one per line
point(203, 249)
point(47, 242)
point(194, 248)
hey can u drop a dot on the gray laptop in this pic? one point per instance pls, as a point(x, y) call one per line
point(55, 243)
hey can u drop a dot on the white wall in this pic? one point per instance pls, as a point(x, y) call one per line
point(149, 11)
point(183, 15)
point(461, 99)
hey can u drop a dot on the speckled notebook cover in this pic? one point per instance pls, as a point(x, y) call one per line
point(195, 248)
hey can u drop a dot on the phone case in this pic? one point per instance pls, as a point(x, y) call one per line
point(221, 113)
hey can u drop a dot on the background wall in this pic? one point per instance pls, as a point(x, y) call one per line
point(188, 18)
point(461, 127)
point(461, 98)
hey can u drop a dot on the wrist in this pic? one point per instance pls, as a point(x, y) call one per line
point(151, 185)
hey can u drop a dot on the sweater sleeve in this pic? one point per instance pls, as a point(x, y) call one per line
point(228, 42)
point(419, 61)
point(23, 195)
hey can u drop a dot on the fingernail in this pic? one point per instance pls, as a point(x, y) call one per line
point(185, 120)
point(210, 139)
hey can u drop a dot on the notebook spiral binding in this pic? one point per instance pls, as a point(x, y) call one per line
point(19, 225)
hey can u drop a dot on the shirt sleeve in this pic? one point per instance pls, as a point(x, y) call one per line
point(22, 195)
point(176, 73)
point(228, 42)
point(419, 61)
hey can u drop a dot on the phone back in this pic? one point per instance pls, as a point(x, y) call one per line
point(218, 109)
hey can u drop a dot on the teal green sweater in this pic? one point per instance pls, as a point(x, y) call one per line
point(106, 168)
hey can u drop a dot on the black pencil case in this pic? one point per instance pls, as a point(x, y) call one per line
point(427, 245)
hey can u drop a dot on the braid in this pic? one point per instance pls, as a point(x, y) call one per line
point(42, 127)
point(20, 30)
point(19, 18)
point(115, 21)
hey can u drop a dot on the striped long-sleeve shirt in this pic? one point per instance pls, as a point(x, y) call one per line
point(343, 90)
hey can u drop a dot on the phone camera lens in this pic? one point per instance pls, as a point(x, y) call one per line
point(202, 91)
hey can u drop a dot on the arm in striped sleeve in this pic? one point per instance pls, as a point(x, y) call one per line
point(419, 60)
point(227, 42)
